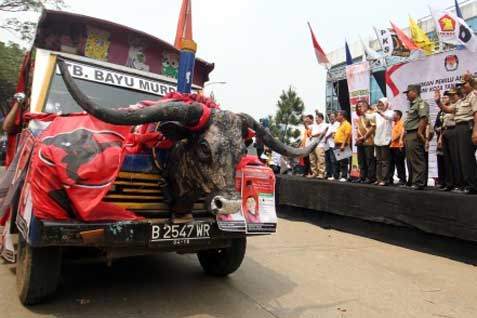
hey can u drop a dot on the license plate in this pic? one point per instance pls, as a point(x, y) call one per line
point(175, 232)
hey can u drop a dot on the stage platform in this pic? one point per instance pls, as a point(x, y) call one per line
point(432, 211)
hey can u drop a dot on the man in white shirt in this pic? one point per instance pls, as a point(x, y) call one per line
point(317, 157)
point(383, 118)
point(331, 166)
point(275, 162)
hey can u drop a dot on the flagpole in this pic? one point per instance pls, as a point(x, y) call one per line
point(331, 101)
point(188, 49)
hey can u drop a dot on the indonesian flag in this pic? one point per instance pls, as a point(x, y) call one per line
point(184, 25)
point(320, 54)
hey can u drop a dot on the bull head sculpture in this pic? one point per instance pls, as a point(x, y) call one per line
point(201, 162)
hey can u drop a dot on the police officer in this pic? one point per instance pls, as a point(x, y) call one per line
point(465, 117)
point(439, 129)
point(453, 176)
point(415, 126)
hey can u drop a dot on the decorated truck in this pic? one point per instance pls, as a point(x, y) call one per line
point(110, 158)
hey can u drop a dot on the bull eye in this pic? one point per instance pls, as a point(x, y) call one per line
point(204, 152)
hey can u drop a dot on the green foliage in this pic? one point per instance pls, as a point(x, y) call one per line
point(273, 128)
point(25, 29)
point(288, 116)
point(10, 61)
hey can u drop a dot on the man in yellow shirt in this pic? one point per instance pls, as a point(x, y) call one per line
point(343, 140)
point(306, 134)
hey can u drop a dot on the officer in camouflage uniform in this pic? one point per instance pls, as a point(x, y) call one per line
point(415, 126)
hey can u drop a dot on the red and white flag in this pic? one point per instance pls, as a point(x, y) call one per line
point(320, 54)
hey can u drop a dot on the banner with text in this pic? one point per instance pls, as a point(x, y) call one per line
point(101, 75)
point(439, 71)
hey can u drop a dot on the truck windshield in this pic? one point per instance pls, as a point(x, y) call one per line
point(60, 101)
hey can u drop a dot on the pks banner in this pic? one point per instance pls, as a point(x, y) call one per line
point(391, 44)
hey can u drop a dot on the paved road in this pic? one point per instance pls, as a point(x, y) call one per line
point(317, 266)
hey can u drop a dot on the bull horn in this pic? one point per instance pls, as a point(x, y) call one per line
point(277, 145)
point(188, 114)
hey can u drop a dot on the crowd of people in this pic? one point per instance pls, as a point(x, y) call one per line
point(385, 142)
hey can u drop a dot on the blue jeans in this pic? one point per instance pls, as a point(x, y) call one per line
point(331, 164)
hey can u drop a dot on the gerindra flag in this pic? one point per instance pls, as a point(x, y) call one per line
point(454, 30)
point(320, 54)
point(446, 26)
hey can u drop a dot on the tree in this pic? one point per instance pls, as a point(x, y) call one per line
point(25, 29)
point(289, 115)
point(273, 127)
point(11, 56)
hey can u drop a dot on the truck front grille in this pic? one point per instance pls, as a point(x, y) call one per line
point(142, 194)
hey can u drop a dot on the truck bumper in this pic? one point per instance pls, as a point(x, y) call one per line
point(41, 233)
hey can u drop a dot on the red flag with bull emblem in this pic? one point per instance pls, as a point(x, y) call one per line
point(75, 162)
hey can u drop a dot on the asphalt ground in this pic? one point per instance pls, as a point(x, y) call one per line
point(317, 265)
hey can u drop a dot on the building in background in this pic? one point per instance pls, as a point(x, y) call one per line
point(337, 96)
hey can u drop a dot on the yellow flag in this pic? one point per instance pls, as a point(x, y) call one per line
point(420, 38)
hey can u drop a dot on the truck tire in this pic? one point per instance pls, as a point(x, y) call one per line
point(37, 271)
point(224, 261)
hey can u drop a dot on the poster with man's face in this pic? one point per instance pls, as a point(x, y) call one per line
point(258, 199)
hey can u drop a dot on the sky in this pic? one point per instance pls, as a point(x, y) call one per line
point(261, 47)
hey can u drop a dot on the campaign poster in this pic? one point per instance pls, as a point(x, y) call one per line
point(439, 71)
point(231, 222)
point(258, 200)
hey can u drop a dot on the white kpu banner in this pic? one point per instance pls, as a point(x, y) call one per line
point(358, 78)
point(440, 71)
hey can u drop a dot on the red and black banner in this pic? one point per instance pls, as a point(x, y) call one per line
point(75, 162)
